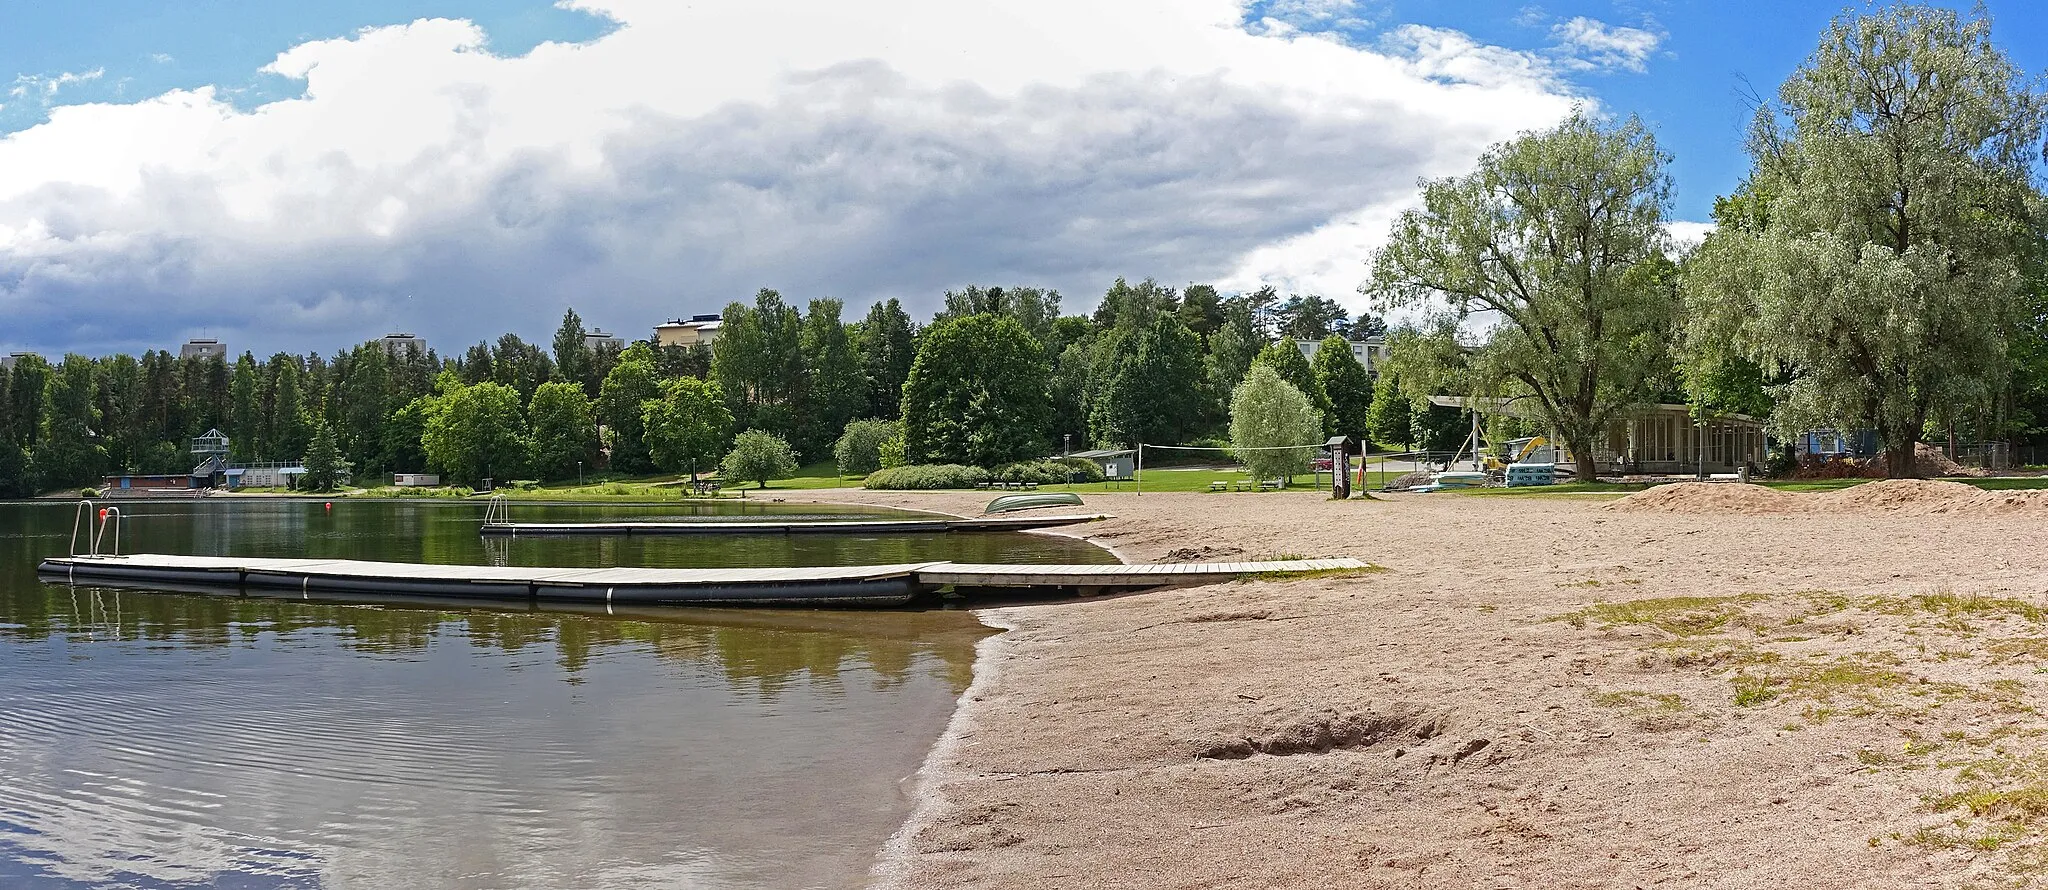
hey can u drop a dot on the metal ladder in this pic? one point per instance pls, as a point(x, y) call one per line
point(498, 511)
point(96, 534)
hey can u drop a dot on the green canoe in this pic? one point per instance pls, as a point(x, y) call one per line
point(1011, 503)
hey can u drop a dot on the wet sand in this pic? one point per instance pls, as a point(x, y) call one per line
point(1537, 691)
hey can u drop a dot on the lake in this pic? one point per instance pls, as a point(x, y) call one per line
point(164, 740)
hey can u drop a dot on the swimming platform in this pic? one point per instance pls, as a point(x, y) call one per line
point(792, 527)
point(865, 585)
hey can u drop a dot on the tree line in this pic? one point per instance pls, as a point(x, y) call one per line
point(997, 375)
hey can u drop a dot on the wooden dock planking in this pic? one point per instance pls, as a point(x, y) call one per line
point(829, 526)
point(808, 585)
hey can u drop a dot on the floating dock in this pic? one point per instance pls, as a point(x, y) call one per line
point(826, 526)
point(875, 585)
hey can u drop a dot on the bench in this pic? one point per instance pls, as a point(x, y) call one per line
point(1219, 486)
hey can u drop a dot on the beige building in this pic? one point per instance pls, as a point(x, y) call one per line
point(700, 330)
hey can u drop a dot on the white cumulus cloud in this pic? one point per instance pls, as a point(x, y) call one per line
point(699, 151)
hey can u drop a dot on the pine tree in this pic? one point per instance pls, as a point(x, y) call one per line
point(323, 462)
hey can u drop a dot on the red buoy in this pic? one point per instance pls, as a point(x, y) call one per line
point(103, 512)
point(330, 505)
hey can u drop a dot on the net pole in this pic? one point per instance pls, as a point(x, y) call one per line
point(1138, 472)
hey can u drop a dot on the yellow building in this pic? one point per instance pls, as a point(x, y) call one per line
point(700, 330)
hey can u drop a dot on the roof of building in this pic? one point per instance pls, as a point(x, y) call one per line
point(1494, 404)
point(1103, 452)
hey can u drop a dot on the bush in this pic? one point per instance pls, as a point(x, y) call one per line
point(859, 449)
point(1048, 472)
point(1088, 470)
point(891, 451)
point(926, 476)
point(88, 492)
point(758, 456)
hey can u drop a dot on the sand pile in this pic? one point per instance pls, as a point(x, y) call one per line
point(1886, 496)
point(1709, 497)
point(1931, 462)
point(1897, 496)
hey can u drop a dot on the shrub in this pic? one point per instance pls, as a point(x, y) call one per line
point(1089, 470)
point(891, 452)
point(926, 476)
point(1048, 472)
point(859, 449)
point(88, 492)
point(759, 456)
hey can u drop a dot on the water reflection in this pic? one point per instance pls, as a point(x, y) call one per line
point(196, 740)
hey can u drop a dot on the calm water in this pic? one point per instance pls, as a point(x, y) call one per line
point(168, 740)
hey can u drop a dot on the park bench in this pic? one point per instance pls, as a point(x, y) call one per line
point(1219, 486)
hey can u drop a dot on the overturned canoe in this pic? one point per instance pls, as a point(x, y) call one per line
point(1010, 503)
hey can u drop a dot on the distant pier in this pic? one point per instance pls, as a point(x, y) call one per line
point(796, 527)
point(872, 585)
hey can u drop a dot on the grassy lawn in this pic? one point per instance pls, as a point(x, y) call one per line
point(1179, 480)
point(1613, 488)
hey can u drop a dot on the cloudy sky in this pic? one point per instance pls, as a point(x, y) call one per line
point(304, 178)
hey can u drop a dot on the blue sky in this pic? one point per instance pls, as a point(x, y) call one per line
point(304, 175)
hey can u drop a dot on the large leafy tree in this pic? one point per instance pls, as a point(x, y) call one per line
point(1286, 359)
point(1388, 422)
point(836, 391)
point(1135, 306)
point(1273, 426)
point(477, 432)
point(1033, 308)
point(1152, 386)
point(1558, 238)
point(631, 383)
point(287, 429)
point(758, 363)
point(14, 481)
point(573, 359)
point(688, 426)
point(68, 452)
point(564, 430)
point(1201, 309)
point(976, 394)
point(1234, 344)
point(1881, 267)
point(520, 365)
point(1347, 385)
point(887, 343)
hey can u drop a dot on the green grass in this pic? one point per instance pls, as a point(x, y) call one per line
point(1613, 488)
point(1184, 480)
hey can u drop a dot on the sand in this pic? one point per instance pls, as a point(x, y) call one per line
point(1536, 692)
point(1883, 497)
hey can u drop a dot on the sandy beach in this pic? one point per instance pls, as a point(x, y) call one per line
point(1710, 687)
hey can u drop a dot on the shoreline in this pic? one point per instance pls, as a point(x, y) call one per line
point(1536, 692)
point(892, 861)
